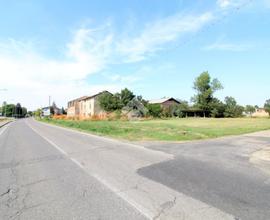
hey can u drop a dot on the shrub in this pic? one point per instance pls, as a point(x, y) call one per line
point(154, 110)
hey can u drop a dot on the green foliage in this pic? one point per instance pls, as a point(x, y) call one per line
point(109, 102)
point(24, 112)
point(232, 109)
point(249, 109)
point(154, 110)
point(217, 108)
point(205, 88)
point(267, 106)
point(63, 111)
point(126, 96)
point(8, 110)
point(178, 110)
point(38, 113)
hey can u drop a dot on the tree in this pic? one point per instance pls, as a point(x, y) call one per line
point(109, 102)
point(30, 113)
point(63, 111)
point(267, 106)
point(126, 96)
point(38, 112)
point(180, 109)
point(18, 111)
point(217, 108)
point(232, 109)
point(205, 88)
point(8, 110)
point(24, 112)
point(143, 101)
point(250, 109)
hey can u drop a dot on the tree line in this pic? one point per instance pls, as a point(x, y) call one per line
point(12, 110)
point(204, 103)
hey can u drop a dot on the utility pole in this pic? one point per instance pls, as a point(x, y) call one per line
point(49, 101)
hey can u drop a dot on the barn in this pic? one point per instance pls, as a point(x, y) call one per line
point(165, 102)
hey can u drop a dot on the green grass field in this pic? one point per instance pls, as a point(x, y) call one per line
point(168, 130)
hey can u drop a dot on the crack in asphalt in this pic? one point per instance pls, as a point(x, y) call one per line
point(165, 207)
point(4, 193)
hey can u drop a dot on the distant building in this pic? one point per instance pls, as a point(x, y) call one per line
point(165, 102)
point(260, 112)
point(85, 106)
point(51, 110)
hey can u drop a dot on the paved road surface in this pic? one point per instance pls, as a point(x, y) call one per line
point(37, 182)
point(48, 172)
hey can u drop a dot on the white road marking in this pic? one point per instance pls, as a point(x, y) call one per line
point(169, 156)
point(52, 143)
point(185, 207)
point(134, 204)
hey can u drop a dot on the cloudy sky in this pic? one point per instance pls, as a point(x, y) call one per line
point(68, 49)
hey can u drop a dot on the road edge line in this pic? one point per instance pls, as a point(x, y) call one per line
point(170, 156)
point(133, 204)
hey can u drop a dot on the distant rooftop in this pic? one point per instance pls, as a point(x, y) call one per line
point(88, 97)
point(160, 101)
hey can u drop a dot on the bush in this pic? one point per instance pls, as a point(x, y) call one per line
point(154, 110)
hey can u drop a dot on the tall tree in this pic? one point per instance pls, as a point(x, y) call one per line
point(267, 106)
point(18, 111)
point(205, 88)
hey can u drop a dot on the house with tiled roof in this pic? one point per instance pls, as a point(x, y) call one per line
point(85, 106)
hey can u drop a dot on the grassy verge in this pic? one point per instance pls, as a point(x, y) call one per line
point(168, 130)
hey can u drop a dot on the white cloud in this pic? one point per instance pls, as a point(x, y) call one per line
point(25, 71)
point(32, 76)
point(223, 3)
point(225, 46)
point(226, 4)
point(156, 34)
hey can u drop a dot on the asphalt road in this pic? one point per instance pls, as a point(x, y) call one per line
point(47, 172)
point(39, 182)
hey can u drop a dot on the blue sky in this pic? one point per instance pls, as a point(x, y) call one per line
point(156, 48)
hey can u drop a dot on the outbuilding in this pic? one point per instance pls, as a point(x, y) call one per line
point(165, 102)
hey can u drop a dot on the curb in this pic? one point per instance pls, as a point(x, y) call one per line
point(2, 125)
